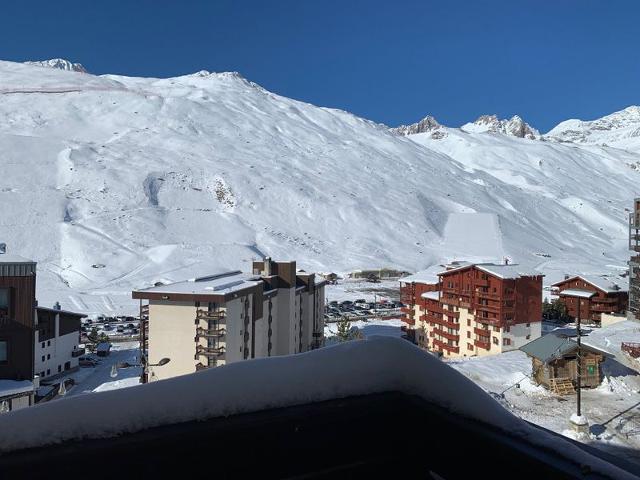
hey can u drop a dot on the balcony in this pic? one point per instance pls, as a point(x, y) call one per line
point(210, 333)
point(447, 335)
point(487, 320)
point(481, 344)
point(603, 308)
point(491, 296)
point(406, 310)
point(209, 351)
point(205, 315)
point(445, 346)
point(445, 323)
point(482, 332)
point(480, 282)
point(451, 313)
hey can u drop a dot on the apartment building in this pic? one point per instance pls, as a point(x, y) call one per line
point(634, 262)
point(231, 316)
point(35, 342)
point(474, 309)
point(610, 299)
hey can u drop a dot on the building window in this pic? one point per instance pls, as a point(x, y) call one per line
point(43, 358)
point(528, 337)
point(528, 325)
point(468, 334)
point(495, 341)
point(42, 344)
point(48, 356)
point(469, 346)
point(48, 343)
point(506, 341)
point(468, 322)
point(59, 368)
point(4, 302)
point(48, 371)
point(4, 351)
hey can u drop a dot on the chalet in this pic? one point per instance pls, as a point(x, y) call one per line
point(555, 363)
point(610, 299)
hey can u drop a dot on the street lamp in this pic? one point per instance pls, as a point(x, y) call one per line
point(580, 423)
point(143, 364)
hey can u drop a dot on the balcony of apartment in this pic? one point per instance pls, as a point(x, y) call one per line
point(482, 344)
point(495, 308)
point(603, 308)
point(487, 320)
point(447, 335)
point(409, 320)
point(481, 282)
point(451, 313)
point(210, 333)
point(445, 346)
point(209, 351)
point(489, 295)
point(604, 300)
point(482, 332)
point(218, 315)
point(445, 323)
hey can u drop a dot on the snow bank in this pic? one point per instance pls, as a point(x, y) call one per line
point(378, 364)
point(13, 387)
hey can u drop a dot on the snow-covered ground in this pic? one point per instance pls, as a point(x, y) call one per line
point(113, 183)
point(613, 409)
point(98, 378)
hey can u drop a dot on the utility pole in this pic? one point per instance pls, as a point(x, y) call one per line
point(579, 360)
point(580, 424)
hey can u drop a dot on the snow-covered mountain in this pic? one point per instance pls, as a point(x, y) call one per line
point(60, 64)
point(113, 183)
point(620, 129)
point(515, 126)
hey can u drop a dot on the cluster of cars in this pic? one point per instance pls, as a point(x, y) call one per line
point(112, 325)
point(358, 308)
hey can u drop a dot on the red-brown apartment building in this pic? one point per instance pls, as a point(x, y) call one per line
point(609, 299)
point(470, 309)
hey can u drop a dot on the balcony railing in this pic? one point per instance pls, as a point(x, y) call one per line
point(445, 323)
point(483, 332)
point(447, 335)
point(210, 333)
point(481, 344)
point(445, 346)
point(209, 351)
point(205, 315)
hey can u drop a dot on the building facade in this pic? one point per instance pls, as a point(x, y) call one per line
point(634, 262)
point(35, 342)
point(475, 309)
point(229, 317)
point(56, 339)
point(609, 299)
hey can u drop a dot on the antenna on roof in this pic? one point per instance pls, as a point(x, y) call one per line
point(3, 248)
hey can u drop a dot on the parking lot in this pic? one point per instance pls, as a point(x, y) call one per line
point(360, 309)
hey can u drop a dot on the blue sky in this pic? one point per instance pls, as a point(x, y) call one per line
point(392, 62)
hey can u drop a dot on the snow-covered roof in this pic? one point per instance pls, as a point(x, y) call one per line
point(103, 347)
point(11, 258)
point(511, 271)
point(220, 283)
point(375, 365)
point(428, 276)
point(553, 346)
point(601, 282)
point(431, 295)
point(15, 387)
point(576, 292)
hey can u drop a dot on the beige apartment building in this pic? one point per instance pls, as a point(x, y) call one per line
point(232, 316)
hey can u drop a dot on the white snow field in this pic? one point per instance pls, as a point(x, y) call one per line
point(113, 183)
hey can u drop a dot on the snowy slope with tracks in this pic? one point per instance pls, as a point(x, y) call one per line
point(113, 183)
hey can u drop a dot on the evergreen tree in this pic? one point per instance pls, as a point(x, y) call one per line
point(344, 329)
point(93, 339)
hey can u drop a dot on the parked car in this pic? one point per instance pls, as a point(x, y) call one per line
point(120, 329)
point(87, 362)
point(130, 325)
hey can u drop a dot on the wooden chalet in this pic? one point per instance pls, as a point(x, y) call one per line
point(555, 363)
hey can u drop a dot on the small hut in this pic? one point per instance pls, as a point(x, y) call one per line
point(555, 363)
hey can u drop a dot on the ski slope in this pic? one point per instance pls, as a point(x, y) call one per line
point(113, 183)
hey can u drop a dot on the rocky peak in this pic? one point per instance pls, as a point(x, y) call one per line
point(515, 126)
point(427, 124)
point(60, 64)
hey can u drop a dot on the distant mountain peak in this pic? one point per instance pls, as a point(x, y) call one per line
point(427, 124)
point(515, 126)
point(60, 64)
point(617, 128)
